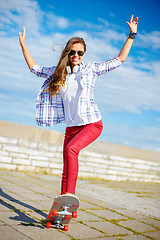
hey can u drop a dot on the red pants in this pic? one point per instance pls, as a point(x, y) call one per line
point(76, 138)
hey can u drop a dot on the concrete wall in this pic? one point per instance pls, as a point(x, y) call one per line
point(36, 149)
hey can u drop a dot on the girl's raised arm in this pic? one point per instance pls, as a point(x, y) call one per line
point(29, 60)
point(127, 46)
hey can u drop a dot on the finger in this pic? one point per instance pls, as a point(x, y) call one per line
point(129, 25)
point(131, 19)
point(19, 34)
point(135, 20)
point(24, 31)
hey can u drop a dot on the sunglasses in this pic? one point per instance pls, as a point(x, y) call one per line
point(73, 52)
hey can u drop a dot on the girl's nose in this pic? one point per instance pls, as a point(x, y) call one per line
point(76, 54)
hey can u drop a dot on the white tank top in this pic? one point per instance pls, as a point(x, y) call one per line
point(70, 94)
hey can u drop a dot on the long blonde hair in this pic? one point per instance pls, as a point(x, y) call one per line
point(57, 80)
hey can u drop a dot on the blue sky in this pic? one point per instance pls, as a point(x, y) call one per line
point(128, 97)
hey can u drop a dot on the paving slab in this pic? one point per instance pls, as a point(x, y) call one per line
point(137, 226)
point(123, 196)
point(80, 231)
point(2, 223)
point(152, 222)
point(132, 214)
point(154, 235)
point(85, 216)
point(16, 218)
point(9, 233)
point(37, 216)
point(107, 214)
point(86, 205)
point(26, 199)
point(109, 228)
point(103, 238)
point(134, 237)
point(38, 232)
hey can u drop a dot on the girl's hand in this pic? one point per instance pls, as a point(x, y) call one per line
point(133, 24)
point(22, 37)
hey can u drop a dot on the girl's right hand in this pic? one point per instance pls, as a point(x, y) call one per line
point(29, 60)
point(22, 37)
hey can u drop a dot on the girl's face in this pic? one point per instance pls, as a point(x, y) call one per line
point(76, 54)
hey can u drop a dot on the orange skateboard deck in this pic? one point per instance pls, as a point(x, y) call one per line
point(63, 209)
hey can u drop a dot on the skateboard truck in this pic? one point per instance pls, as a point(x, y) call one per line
point(61, 214)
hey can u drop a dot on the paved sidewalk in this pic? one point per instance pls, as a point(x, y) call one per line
point(108, 210)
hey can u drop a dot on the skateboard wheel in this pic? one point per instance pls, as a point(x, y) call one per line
point(66, 227)
point(67, 217)
point(48, 225)
point(50, 215)
point(54, 212)
point(74, 214)
point(56, 202)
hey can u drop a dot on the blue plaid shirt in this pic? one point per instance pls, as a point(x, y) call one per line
point(50, 110)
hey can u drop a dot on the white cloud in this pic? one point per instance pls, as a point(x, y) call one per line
point(113, 36)
point(105, 22)
point(56, 21)
point(4, 97)
point(131, 88)
point(147, 137)
point(130, 81)
point(111, 14)
point(149, 40)
point(19, 13)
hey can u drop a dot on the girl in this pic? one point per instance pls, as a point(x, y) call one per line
point(67, 96)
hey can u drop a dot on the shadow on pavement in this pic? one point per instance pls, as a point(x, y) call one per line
point(22, 217)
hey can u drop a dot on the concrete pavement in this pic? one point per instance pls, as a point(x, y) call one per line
point(108, 210)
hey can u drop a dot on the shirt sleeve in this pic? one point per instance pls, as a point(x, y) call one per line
point(107, 66)
point(42, 71)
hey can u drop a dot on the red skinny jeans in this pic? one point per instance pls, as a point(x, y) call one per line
point(76, 138)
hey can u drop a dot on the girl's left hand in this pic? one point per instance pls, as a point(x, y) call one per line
point(133, 24)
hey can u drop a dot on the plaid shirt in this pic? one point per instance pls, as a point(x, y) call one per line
point(50, 110)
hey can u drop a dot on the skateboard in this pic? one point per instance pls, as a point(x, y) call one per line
point(64, 208)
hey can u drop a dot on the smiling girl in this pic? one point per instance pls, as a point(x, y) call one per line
point(67, 96)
